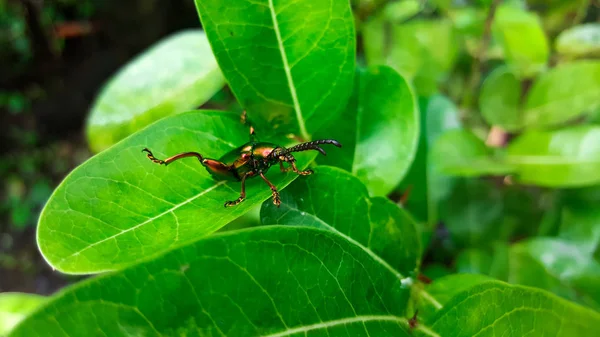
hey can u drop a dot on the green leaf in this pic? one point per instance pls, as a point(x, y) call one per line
point(423, 51)
point(522, 37)
point(558, 266)
point(578, 41)
point(461, 153)
point(333, 199)
point(445, 288)
point(379, 130)
point(119, 207)
point(562, 94)
point(267, 281)
point(495, 308)
point(14, 307)
point(500, 99)
point(567, 157)
point(581, 225)
point(177, 74)
point(286, 62)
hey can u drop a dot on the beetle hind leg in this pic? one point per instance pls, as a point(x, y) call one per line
point(173, 158)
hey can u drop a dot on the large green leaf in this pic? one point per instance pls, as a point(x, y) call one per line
point(499, 101)
point(288, 62)
point(580, 40)
point(379, 130)
point(268, 281)
point(559, 266)
point(119, 207)
point(335, 200)
point(563, 94)
point(522, 37)
point(462, 153)
point(495, 308)
point(14, 307)
point(567, 157)
point(177, 74)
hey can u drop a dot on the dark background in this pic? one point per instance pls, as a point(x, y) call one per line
point(54, 57)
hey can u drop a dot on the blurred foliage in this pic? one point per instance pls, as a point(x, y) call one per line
point(479, 118)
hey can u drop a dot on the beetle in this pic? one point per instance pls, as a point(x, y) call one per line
point(250, 160)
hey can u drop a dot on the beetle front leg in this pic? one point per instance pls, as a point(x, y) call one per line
point(242, 194)
point(276, 199)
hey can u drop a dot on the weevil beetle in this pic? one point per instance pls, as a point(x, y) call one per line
point(250, 160)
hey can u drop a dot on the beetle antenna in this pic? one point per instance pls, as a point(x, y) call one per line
point(314, 145)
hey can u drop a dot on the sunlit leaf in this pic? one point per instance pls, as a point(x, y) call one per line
point(562, 94)
point(119, 207)
point(268, 281)
point(580, 40)
point(177, 74)
point(14, 307)
point(567, 157)
point(289, 63)
point(379, 130)
point(523, 39)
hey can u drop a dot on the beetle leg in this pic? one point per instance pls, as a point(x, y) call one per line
point(302, 173)
point(242, 194)
point(276, 199)
point(245, 121)
point(173, 158)
point(282, 168)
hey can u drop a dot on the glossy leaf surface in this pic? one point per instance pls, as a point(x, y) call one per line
point(499, 101)
point(177, 74)
point(14, 307)
point(567, 157)
point(379, 130)
point(335, 200)
point(268, 281)
point(119, 207)
point(495, 308)
point(558, 266)
point(290, 63)
point(562, 94)
point(579, 40)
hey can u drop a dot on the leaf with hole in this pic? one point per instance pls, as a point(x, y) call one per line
point(290, 64)
point(177, 74)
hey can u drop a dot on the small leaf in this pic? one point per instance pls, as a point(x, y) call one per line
point(379, 130)
point(522, 37)
point(14, 307)
point(333, 199)
point(267, 281)
point(558, 266)
point(495, 308)
point(499, 99)
point(177, 74)
point(119, 207)
point(578, 41)
point(461, 153)
point(563, 93)
point(567, 157)
point(289, 63)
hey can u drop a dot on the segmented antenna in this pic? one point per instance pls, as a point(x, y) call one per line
point(314, 145)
